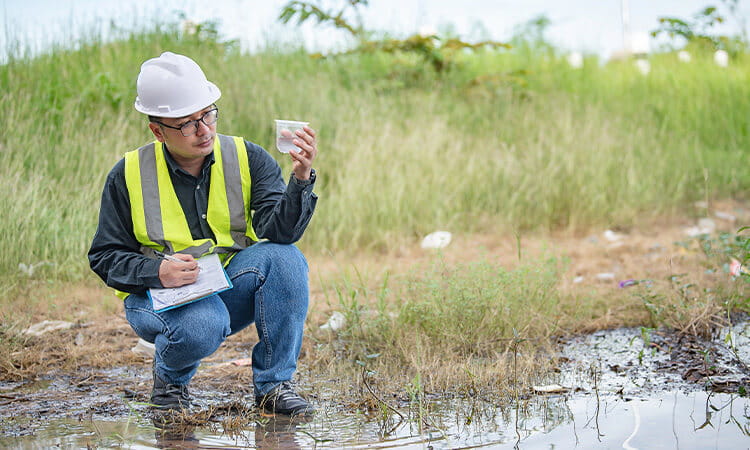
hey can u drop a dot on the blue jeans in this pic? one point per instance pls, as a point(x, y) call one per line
point(270, 289)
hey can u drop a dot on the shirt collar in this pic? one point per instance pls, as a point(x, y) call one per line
point(175, 168)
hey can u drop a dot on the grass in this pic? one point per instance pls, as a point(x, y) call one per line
point(507, 142)
point(491, 328)
point(403, 151)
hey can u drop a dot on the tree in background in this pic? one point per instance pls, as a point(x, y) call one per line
point(438, 52)
point(699, 31)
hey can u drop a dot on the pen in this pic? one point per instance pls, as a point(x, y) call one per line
point(167, 257)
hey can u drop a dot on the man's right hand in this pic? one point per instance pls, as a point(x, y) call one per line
point(176, 274)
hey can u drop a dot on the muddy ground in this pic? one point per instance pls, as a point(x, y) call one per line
point(670, 361)
point(88, 371)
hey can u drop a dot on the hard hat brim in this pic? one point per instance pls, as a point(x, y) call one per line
point(213, 93)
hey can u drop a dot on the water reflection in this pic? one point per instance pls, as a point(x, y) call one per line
point(183, 437)
point(279, 432)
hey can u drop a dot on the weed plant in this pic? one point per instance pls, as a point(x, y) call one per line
point(459, 327)
point(695, 304)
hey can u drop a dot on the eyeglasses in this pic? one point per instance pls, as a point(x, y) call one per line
point(190, 128)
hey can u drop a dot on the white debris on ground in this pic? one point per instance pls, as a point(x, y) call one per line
point(605, 276)
point(28, 269)
point(705, 226)
point(335, 322)
point(725, 216)
point(550, 389)
point(612, 236)
point(144, 349)
point(438, 239)
point(736, 268)
point(46, 326)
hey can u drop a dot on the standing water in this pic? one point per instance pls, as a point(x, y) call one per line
point(628, 388)
point(695, 420)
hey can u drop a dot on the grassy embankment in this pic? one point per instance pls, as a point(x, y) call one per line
point(533, 146)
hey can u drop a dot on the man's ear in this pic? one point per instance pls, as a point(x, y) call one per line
point(156, 129)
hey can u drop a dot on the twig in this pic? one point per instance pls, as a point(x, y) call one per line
point(84, 380)
point(367, 385)
point(423, 419)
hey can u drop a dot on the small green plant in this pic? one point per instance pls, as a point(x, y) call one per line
point(646, 338)
point(645, 335)
point(742, 250)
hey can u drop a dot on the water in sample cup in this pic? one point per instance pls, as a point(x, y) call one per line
point(285, 135)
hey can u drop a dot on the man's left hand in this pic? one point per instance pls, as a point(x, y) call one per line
point(303, 159)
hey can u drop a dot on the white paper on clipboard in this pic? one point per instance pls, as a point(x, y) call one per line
point(212, 279)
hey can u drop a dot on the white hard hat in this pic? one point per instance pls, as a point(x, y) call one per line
point(173, 86)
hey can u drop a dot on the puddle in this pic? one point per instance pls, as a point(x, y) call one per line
point(670, 420)
point(627, 388)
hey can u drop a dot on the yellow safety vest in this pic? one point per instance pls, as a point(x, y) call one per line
point(159, 223)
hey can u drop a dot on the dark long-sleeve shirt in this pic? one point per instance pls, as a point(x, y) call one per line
point(281, 214)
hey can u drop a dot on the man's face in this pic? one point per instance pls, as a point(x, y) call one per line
point(186, 148)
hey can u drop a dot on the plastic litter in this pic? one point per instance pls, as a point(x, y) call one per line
point(705, 226)
point(721, 58)
point(144, 349)
point(438, 239)
point(46, 326)
point(612, 236)
point(577, 279)
point(605, 276)
point(736, 268)
point(335, 322)
point(725, 216)
point(550, 389)
point(243, 362)
point(28, 269)
point(575, 59)
point(628, 283)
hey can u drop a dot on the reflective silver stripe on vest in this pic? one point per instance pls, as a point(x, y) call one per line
point(150, 192)
point(196, 251)
point(233, 186)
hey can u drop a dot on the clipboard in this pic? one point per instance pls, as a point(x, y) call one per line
point(212, 279)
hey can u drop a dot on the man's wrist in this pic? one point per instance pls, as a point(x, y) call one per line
point(306, 182)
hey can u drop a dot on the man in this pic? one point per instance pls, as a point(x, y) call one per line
point(190, 193)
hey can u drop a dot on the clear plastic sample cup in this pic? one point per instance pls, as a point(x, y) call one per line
point(285, 134)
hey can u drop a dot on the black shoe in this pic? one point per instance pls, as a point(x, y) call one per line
point(169, 396)
point(283, 399)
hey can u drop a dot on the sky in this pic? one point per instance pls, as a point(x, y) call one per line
point(590, 26)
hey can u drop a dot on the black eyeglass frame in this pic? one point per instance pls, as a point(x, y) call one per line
point(192, 123)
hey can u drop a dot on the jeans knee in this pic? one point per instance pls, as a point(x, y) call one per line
point(287, 258)
point(198, 339)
